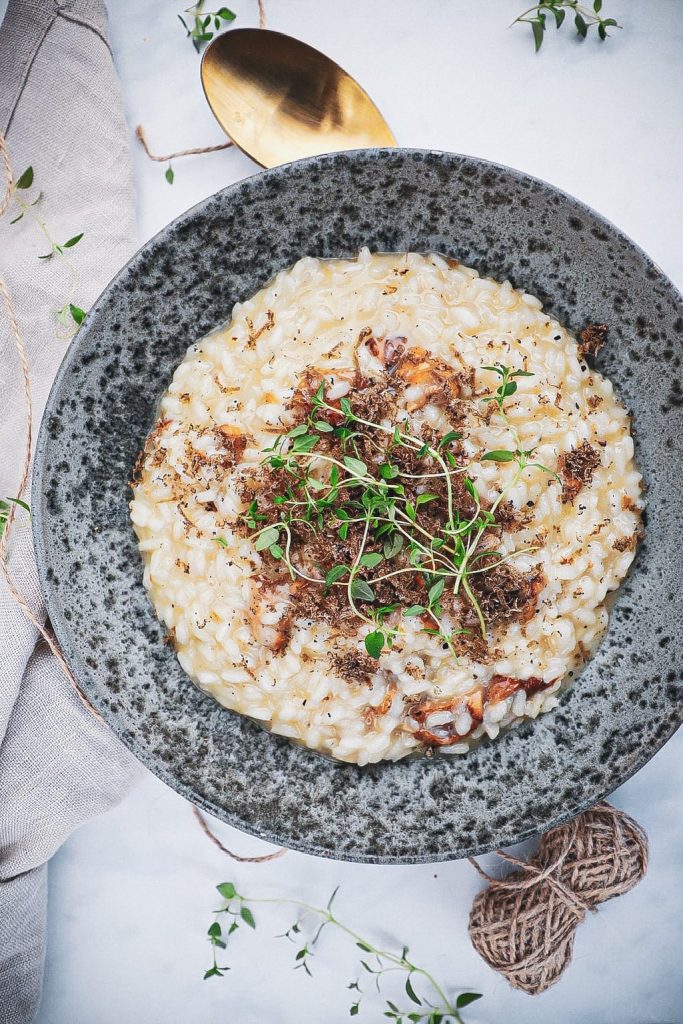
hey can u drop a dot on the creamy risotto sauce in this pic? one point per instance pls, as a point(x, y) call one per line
point(424, 560)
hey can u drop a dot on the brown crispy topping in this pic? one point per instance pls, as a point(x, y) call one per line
point(475, 706)
point(440, 383)
point(421, 710)
point(283, 634)
point(189, 525)
point(388, 350)
point(254, 335)
point(510, 518)
point(534, 685)
point(233, 440)
point(505, 594)
point(301, 402)
point(372, 713)
point(152, 453)
point(628, 543)
point(472, 645)
point(502, 687)
point(433, 739)
point(593, 337)
point(576, 469)
point(355, 667)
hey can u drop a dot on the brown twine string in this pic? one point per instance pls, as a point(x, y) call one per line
point(9, 177)
point(162, 159)
point(141, 135)
point(26, 458)
point(523, 925)
point(216, 841)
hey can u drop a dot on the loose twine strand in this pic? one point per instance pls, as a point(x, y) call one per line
point(167, 157)
point(26, 456)
point(23, 480)
point(243, 860)
point(141, 135)
point(523, 925)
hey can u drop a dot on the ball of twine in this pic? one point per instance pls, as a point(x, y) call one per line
point(523, 925)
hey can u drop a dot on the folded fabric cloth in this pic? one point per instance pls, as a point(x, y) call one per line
point(61, 112)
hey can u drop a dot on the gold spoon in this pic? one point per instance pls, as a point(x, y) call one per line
point(279, 99)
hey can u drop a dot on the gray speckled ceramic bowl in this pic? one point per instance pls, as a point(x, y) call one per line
point(183, 283)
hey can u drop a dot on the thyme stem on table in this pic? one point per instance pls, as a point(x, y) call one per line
point(429, 1001)
point(69, 314)
point(585, 18)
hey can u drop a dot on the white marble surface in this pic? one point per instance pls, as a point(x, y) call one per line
point(131, 893)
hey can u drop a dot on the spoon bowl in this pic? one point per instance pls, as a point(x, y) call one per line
point(281, 100)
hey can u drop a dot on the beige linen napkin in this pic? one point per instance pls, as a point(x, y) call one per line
point(61, 112)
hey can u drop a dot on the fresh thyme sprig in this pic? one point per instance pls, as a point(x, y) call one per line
point(4, 511)
point(508, 387)
point(375, 500)
point(430, 1003)
point(69, 314)
point(585, 18)
point(202, 26)
point(508, 384)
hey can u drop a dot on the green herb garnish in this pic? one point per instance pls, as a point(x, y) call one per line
point(5, 511)
point(202, 28)
point(429, 1002)
point(330, 487)
point(585, 18)
point(69, 315)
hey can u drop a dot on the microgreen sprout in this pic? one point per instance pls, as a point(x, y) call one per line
point(508, 384)
point(521, 458)
point(428, 1003)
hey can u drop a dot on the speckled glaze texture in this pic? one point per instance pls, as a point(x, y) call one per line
point(183, 283)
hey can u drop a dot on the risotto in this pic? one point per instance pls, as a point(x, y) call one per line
point(382, 509)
